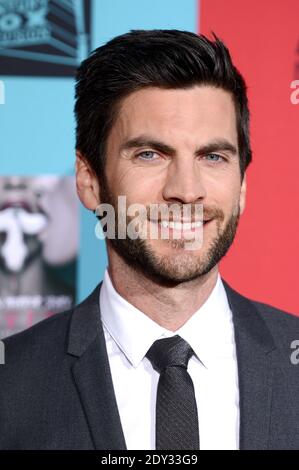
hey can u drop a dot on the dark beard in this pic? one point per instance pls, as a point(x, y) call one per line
point(163, 270)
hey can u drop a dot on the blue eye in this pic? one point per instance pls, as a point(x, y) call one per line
point(146, 155)
point(217, 159)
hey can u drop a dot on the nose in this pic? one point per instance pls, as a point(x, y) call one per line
point(184, 182)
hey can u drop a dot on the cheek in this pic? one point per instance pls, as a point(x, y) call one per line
point(120, 180)
point(138, 185)
point(235, 204)
point(225, 195)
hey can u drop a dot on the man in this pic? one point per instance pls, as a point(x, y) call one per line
point(163, 354)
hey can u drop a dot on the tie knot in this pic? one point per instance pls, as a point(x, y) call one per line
point(167, 352)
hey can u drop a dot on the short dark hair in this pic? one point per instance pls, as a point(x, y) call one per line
point(167, 59)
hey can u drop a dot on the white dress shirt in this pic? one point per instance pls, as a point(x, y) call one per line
point(129, 334)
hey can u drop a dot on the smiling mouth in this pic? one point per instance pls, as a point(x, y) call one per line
point(181, 226)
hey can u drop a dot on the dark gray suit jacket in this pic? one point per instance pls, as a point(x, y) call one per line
point(56, 390)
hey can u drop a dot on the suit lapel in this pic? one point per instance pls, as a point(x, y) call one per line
point(254, 346)
point(92, 376)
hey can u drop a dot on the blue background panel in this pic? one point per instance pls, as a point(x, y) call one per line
point(37, 128)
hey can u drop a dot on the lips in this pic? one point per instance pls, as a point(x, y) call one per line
point(16, 204)
point(181, 223)
point(184, 229)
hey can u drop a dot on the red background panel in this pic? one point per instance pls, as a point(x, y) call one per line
point(263, 37)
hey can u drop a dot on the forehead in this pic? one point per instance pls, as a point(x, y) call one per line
point(177, 114)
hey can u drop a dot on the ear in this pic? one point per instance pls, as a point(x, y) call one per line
point(243, 194)
point(88, 188)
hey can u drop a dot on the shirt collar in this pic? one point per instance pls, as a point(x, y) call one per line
point(209, 331)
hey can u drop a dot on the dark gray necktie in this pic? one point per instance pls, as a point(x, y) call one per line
point(176, 410)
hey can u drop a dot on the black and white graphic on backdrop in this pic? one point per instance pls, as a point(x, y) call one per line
point(39, 237)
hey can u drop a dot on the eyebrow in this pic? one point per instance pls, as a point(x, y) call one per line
point(216, 145)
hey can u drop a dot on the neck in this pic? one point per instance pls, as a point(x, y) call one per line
point(170, 307)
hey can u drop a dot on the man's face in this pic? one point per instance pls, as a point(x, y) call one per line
point(176, 146)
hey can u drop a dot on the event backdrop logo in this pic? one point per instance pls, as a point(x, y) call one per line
point(43, 37)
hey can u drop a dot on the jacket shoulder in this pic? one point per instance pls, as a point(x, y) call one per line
point(279, 321)
point(283, 325)
point(38, 348)
point(47, 341)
